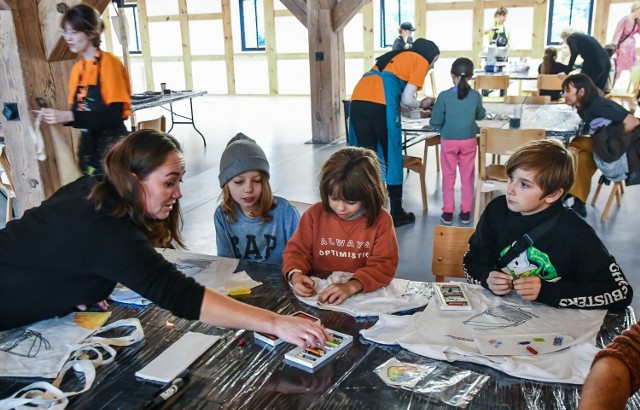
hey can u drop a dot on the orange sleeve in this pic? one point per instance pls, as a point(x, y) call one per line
point(74, 77)
point(114, 83)
point(299, 250)
point(382, 263)
point(419, 72)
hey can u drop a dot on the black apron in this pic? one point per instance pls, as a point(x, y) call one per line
point(94, 143)
point(499, 37)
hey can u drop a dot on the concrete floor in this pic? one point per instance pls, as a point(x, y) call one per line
point(282, 127)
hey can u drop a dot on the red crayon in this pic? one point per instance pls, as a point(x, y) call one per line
point(532, 350)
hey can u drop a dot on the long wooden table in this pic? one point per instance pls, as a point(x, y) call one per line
point(169, 99)
point(239, 373)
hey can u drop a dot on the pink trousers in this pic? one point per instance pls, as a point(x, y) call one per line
point(454, 154)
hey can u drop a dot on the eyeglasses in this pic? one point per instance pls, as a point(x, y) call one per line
point(64, 33)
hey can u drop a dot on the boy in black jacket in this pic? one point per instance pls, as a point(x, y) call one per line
point(568, 266)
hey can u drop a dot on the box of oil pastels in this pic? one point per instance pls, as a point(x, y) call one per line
point(311, 358)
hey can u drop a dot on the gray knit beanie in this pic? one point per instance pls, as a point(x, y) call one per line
point(241, 155)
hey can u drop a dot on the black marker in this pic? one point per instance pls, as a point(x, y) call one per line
point(169, 390)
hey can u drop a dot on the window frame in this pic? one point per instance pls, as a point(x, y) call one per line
point(136, 27)
point(383, 25)
point(551, 13)
point(257, 33)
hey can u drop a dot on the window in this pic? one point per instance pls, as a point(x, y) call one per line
point(252, 25)
point(392, 14)
point(565, 13)
point(131, 13)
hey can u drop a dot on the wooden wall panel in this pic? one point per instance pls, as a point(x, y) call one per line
point(145, 44)
point(186, 44)
point(270, 46)
point(228, 47)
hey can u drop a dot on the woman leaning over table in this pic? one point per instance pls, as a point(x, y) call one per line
point(597, 112)
point(99, 89)
point(375, 112)
point(93, 233)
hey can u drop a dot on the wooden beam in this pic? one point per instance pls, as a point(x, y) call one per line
point(270, 46)
point(186, 44)
point(145, 43)
point(228, 47)
point(600, 24)
point(5, 5)
point(324, 62)
point(25, 74)
point(420, 19)
point(298, 8)
point(539, 24)
point(344, 12)
point(108, 36)
point(367, 37)
point(477, 31)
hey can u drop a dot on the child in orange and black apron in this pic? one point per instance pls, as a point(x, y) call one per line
point(99, 90)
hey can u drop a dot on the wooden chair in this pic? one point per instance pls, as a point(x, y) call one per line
point(158, 124)
point(527, 99)
point(301, 206)
point(493, 177)
point(631, 92)
point(550, 82)
point(492, 82)
point(616, 192)
point(6, 184)
point(450, 243)
point(419, 165)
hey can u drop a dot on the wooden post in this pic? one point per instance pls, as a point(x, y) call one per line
point(186, 44)
point(324, 64)
point(600, 22)
point(270, 46)
point(478, 31)
point(27, 70)
point(228, 47)
point(145, 43)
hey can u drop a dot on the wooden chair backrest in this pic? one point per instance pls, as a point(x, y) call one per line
point(4, 163)
point(450, 243)
point(549, 82)
point(158, 124)
point(491, 82)
point(634, 81)
point(501, 141)
point(301, 206)
point(528, 99)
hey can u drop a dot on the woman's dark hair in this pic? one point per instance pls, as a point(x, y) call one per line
point(462, 67)
point(86, 19)
point(549, 59)
point(353, 174)
point(426, 48)
point(128, 162)
point(582, 82)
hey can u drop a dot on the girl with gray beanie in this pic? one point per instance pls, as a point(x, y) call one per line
point(251, 223)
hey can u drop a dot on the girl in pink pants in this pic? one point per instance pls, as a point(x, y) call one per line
point(454, 115)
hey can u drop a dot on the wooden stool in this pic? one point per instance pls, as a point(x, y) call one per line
point(419, 165)
point(616, 191)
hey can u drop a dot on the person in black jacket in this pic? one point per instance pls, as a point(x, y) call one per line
point(595, 60)
point(568, 266)
point(91, 234)
point(404, 41)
